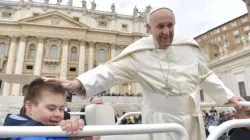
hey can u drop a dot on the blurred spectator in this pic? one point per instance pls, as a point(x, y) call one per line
point(131, 119)
point(69, 97)
point(212, 110)
point(66, 108)
point(83, 116)
point(96, 100)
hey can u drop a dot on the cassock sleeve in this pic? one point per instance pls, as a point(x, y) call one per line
point(211, 84)
point(106, 76)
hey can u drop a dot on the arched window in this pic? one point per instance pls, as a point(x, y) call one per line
point(32, 50)
point(101, 55)
point(73, 54)
point(2, 48)
point(53, 51)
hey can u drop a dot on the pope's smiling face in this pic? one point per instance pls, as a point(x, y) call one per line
point(161, 27)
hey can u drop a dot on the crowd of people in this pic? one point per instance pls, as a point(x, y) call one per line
point(212, 117)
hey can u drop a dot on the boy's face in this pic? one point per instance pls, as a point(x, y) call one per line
point(49, 110)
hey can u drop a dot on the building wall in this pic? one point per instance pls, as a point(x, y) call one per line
point(217, 35)
point(233, 68)
point(36, 27)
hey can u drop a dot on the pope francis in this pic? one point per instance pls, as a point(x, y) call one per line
point(171, 70)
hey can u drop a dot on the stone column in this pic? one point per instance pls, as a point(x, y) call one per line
point(136, 25)
point(39, 56)
point(113, 48)
point(10, 62)
point(64, 61)
point(19, 64)
point(81, 62)
point(91, 56)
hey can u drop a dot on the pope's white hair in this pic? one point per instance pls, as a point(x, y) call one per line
point(156, 9)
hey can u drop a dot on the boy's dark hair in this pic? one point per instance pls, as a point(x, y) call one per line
point(38, 86)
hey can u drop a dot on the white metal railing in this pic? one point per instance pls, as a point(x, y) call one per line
point(125, 115)
point(227, 126)
point(76, 113)
point(213, 104)
point(97, 130)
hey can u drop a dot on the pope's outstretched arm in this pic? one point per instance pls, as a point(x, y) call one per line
point(213, 86)
point(101, 78)
point(106, 76)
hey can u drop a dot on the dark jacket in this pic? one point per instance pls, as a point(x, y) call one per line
point(240, 134)
point(23, 120)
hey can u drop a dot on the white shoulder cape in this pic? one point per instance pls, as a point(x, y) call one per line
point(147, 43)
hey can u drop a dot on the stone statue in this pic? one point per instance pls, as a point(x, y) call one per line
point(55, 19)
point(84, 4)
point(220, 50)
point(225, 49)
point(113, 8)
point(59, 2)
point(248, 38)
point(243, 39)
point(70, 2)
point(148, 9)
point(93, 5)
point(135, 11)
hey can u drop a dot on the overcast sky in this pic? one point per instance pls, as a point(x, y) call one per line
point(193, 17)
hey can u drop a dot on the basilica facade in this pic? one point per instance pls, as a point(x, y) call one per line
point(53, 40)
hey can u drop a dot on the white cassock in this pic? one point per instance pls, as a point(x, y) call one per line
point(182, 64)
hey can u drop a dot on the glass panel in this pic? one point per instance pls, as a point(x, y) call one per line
point(32, 51)
point(53, 51)
point(101, 55)
point(73, 54)
point(242, 88)
point(2, 48)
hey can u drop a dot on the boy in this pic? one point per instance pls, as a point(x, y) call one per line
point(44, 106)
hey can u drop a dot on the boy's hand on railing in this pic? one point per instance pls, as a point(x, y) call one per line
point(72, 126)
point(236, 100)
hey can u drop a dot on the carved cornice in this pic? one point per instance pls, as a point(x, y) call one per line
point(112, 46)
point(23, 38)
point(102, 17)
point(13, 38)
point(32, 41)
point(65, 41)
point(229, 57)
point(82, 42)
point(50, 60)
point(102, 46)
point(6, 40)
point(74, 43)
point(91, 44)
point(41, 39)
point(77, 9)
